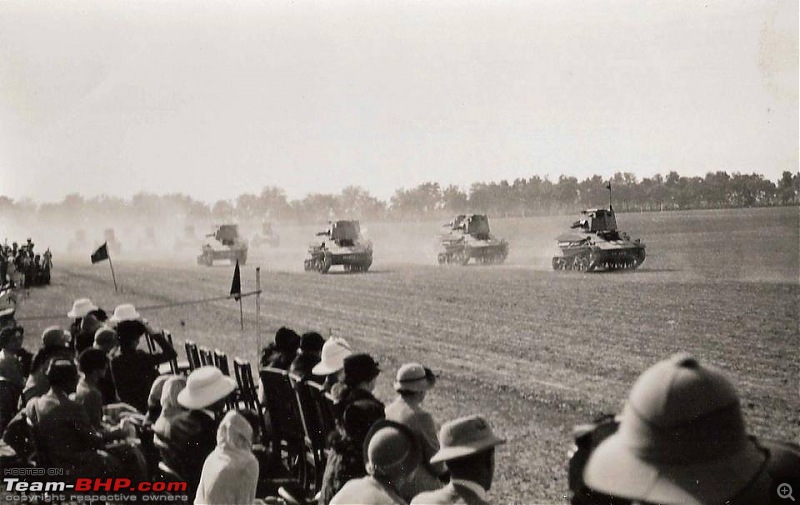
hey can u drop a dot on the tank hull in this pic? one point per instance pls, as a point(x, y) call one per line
point(232, 254)
point(592, 256)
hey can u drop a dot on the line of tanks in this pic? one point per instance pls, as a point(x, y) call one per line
point(593, 244)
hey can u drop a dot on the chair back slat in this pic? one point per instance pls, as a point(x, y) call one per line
point(192, 355)
point(206, 356)
point(221, 361)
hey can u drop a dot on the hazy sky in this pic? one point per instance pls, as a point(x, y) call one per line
point(214, 99)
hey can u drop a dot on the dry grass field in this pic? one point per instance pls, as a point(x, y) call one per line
point(533, 350)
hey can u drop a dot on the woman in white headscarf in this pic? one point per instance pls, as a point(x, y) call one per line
point(230, 472)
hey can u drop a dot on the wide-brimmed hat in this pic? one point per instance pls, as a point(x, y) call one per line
point(205, 386)
point(360, 367)
point(681, 439)
point(125, 312)
point(54, 336)
point(414, 377)
point(390, 449)
point(80, 308)
point(334, 352)
point(464, 437)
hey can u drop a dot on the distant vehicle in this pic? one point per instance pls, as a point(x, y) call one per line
point(235, 248)
point(189, 239)
point(78, 243)
point(343, 245)
point(596, 244)
point(267, 236)
point(110, 238)
point(469, 237)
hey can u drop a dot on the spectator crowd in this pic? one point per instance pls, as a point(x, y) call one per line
point(109, 397)
point(21, 266)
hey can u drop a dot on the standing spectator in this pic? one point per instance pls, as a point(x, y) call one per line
point(334, 351)
point(391, 455)
point(135, 370)
point(281, 352)
point(682, 439)
point(467, 448)
point(412, 385)
point(230, 472)
point(55, 345)
point(308, 355)
point(191, 435)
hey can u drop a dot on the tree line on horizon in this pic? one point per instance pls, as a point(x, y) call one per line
point(522, 197)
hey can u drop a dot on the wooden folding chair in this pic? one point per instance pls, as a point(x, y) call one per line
point(221, 361)
point(206, 356)
point(316, 427)
point(288, 436)
point(192, 355)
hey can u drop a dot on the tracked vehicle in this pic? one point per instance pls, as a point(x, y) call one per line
point(596, 244)
point(343, 245)
point(469, 238)
point(235, 249)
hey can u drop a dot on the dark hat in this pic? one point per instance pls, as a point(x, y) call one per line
point(360, 367)
point(311, 342)
point(286, 339)
point(681, 439)
point(359, 417)
point(62, 371)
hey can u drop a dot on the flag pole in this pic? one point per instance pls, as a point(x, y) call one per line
point(258, 311)
point(114, 277)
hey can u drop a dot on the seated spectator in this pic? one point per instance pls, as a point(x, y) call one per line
point(334, 351)
point(154, 398)
point(169, 403)
point(681, 439)
point(360, 376)
point(108, 420)
point(55, 345)
point(412, 385)
point(308, 355)
point(282, 351)
point(191, 435)
point(65, 436)
point(467, 449)
point(230, 472)
point(390, 453)
point(105, 339)
point(134, 369)
point(11, 377)
point(93, 364)
point(80, 309)
point(84, 339)
point(346, 454)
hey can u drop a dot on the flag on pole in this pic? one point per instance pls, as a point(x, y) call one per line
point(608, 185)
point(100, 254)
point(236, 284)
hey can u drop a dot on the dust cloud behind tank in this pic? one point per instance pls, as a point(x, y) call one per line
point(469, 238)
point(233, 249)
point(341, 244)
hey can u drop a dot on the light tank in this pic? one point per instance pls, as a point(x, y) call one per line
point(343, 245)
point(596, 244)
point(469, 237)
point(235, 248)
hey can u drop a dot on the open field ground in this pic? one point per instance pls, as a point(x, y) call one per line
point(535, 351)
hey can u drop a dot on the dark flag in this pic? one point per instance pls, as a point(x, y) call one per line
point(100, 254)
point(608, 185)
point(236, 284)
